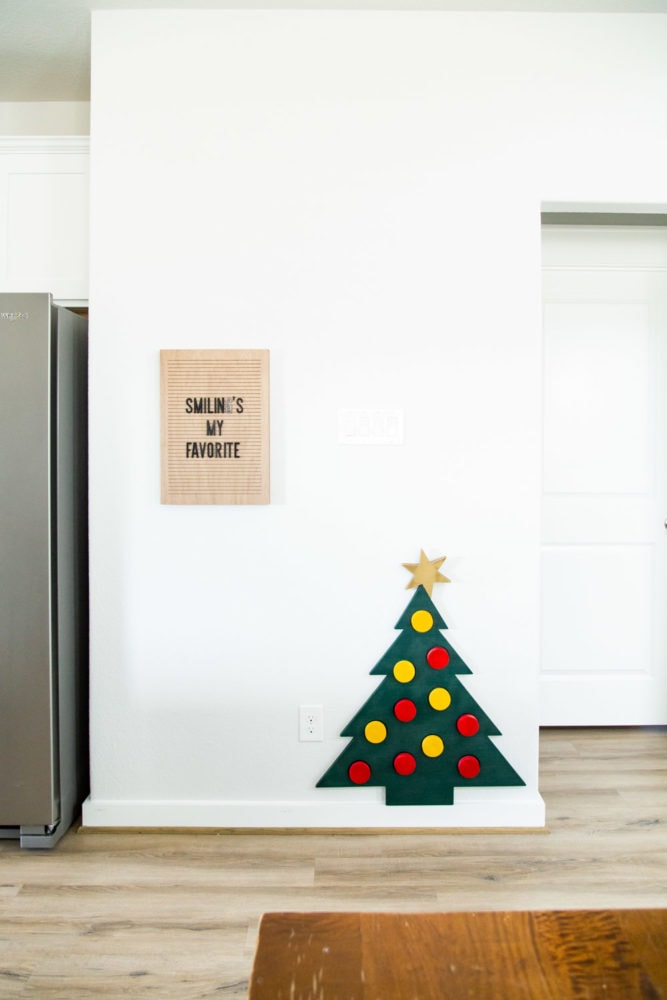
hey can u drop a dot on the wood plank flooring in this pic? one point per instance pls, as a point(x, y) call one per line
point(175, 915)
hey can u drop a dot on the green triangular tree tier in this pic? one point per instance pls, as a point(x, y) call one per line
point(421, 733)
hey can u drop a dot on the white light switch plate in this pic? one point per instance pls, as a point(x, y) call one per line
point(370, 426)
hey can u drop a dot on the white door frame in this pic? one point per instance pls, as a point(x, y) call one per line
point(556, 709)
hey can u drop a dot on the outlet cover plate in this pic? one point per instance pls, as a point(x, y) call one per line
point(311, 723)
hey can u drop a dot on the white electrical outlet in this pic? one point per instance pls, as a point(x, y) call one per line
point(311, 723)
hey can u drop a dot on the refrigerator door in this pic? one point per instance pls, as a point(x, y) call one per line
point(28, 761)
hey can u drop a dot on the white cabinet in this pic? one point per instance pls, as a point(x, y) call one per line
point(44, 216)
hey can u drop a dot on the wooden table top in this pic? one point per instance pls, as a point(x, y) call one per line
point(537, 955)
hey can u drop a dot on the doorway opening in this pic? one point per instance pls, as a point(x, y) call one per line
point(604, 474)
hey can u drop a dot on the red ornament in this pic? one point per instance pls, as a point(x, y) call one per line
point(359, 772)
point(438, 657)
point(405, 710)
point(404, 763)
point(467, 725)
point(469, 766)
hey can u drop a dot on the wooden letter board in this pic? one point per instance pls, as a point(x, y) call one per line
point(214, 427)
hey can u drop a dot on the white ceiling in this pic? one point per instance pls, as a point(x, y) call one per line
point(45, 44)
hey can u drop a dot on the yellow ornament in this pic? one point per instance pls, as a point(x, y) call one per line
point(432, 746)
point(404, 671)
point(439, 699)
point(375, 731)
point(422, 621)
point(426, 572)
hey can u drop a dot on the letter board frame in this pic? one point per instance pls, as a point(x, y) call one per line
point(214, 426)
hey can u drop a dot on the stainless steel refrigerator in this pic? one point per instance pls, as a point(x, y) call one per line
point(43, 568)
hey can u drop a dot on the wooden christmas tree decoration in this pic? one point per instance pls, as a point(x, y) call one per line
point(421, 733)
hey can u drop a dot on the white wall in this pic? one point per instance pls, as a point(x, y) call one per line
point(360, 193)
point(44, 117)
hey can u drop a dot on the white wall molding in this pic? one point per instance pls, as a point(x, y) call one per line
point(41, 144)
point(507, 808)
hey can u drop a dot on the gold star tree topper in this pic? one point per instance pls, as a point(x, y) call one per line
point(426, 572)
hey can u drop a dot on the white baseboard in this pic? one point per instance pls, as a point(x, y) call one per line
point(501, 808)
